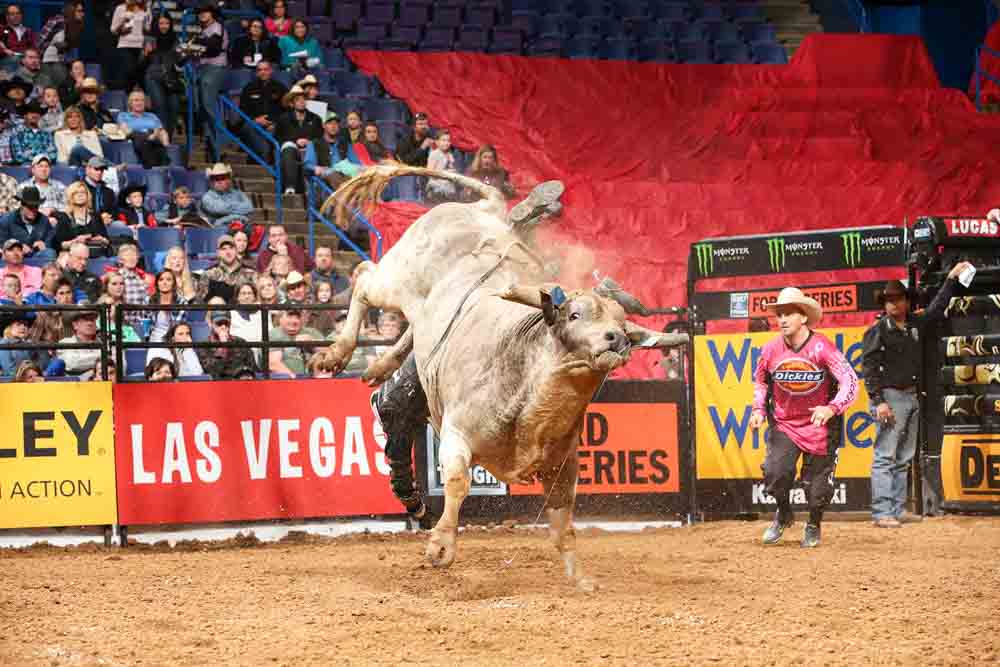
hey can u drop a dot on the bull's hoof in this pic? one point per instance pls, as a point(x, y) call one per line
point(380, 370)
point(335, 359)
point(441, 550)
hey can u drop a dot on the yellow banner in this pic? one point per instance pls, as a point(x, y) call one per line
point(727, 448)
point(57, 455)
point(970, 468)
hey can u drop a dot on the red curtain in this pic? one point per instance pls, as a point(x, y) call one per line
point(855, 131)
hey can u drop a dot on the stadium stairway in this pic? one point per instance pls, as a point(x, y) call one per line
point(254, 180)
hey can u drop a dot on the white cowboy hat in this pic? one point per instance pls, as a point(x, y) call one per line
point(309, 80)
point(793, 296)
point(219, 169)
point(291, 95)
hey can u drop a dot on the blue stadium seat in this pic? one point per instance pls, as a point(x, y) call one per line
point(592, 8)
point(447, 17)
point(297, 8)
point(380, 12)
point(721, 31)
point(657, 50)
point(592, 26)
point(389, 132)
point(528, 5)
point(694, 53)
point(386, 109)
point(157, 200)
point(237, 79)
point(346, 15)
point(407, 33)
point(325, 32)
point(472, 38)
point(93, 69)
point(135, 361)
point(581, 47)
point(200, 331)
point(157, 239)
point(351, 84)
point(745, 13)
point(438, 39)
point(732, 52)
point(484, 17)
point(768, 53)
point(96, 265)
point(114, 100)
point(200, 263)
point(758, 32)
point(158, 179)
point(526, 22)
point(120, 152)
point(507, 40)
point(689, 32)
point(618, 49)
point(367, 35)
point(65, 174)
point(674, 12)
point(202, 242)
point(175, 155)
point(18, 173)
point(135, 175)
point(317, 7)
point(557, 25)
point(63, 378)
point(711, 11)
point(334, 57)
point(414, 16)
point(546, 46)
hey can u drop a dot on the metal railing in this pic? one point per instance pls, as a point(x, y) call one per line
point(273, 169)
point(100, 344)
point(314, 184)
point(859, 13)
point(981, 73)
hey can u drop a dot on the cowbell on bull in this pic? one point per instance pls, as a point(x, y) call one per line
point(508, 362)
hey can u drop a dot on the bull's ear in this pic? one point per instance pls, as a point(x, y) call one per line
point(647, 338)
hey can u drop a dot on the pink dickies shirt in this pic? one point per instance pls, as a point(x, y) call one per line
point(800, 380)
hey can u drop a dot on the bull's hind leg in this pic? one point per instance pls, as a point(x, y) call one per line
point(560, 492)
point(388, 363)
point(454, 457)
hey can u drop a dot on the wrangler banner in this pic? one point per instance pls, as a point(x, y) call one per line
point(626, 448)
point(729, 453)
point(57, 457)
point(232, 451)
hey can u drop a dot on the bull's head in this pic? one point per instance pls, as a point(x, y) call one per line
point(590, 325)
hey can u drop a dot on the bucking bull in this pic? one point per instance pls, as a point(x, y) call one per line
point(508, 361)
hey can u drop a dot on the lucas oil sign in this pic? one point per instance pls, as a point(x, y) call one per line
point(727, 449)
point(57, 456)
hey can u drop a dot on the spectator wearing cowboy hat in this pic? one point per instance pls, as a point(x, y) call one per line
point(84, 323)
point(132, 212)
point(295, 129)
point(13, 258)
point(226, 363)
point(15, 92)
point(53, 192)
point(223, 204)
point(30, 140)
point(15, 325)
point(226, 275)
point(30, 227)
point(296, 289)
point(310, 86)
point(95, 115)
point(261, 100)
point(793, 391)
point(891, 360)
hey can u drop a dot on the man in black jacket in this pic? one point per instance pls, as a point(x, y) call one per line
point(103, 199)
point(891, 362)
point(294, 130)
point(261, 100)
point(414, 148)
point(76, 272)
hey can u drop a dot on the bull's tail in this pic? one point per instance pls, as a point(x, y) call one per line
point(365, 190)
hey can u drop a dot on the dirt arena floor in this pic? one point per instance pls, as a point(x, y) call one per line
point(927, 594)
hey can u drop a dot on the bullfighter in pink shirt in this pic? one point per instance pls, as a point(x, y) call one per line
point(802, 381)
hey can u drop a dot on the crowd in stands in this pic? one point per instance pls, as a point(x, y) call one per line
point(71, 229)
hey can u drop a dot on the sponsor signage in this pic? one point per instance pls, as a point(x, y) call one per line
point(726, 447)
point(833, 299)
point(970, 468)
point(482, 483)
point(972, 228)
point(626, 448)
point(57, 459)
point(239, 451)
point(864, 247)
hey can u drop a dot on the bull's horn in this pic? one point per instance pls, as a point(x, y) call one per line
point(647, 338)
point(528, 295)
point(609, 289)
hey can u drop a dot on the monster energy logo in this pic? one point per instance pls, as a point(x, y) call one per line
point(852, 248)
point(776, 254)
point(705, 262)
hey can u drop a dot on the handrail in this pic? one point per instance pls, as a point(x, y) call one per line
point(314, 214)
point(273, 169)
point(191, 75)
point(983, 74)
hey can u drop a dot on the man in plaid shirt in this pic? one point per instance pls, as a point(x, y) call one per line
point(30, 140)
point(137, 281)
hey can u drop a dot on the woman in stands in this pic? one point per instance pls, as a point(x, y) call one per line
point(28, 371)
point(69, 90)
point(74, 142)
point(299, 41)
point(131, 21)
point(146, 132)
point(373, 144)
point(243, 322)
point(166, 294)
point(242, 244)
point(254, 47)
point(278, 23)
point(267, 293)
point(177, 262)
point(324, 321)
point(80, 225)
point(185, 359)
point(162, 79)
point(48, 329)
point(160, 370)
point(486, 167)
point(59, 38)
point(354, 132)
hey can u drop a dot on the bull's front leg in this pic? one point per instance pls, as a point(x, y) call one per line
point(455, 457)
point(560, 493)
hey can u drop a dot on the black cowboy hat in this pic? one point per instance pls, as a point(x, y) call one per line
point(30, 197)
point(892, 288)
point(16, 82)
point(34, 106)
point(129, 189)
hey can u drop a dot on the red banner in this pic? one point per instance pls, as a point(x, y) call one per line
point(237, 451)
point(626, 448)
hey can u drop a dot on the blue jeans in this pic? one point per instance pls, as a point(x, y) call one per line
point(894, 449)
point(78, 155)
point(166, 106)
point(210, 80)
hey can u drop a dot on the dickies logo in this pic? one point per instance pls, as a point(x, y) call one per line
point(798, 376)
